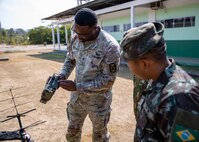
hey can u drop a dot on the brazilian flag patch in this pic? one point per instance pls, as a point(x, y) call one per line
point(183, 134)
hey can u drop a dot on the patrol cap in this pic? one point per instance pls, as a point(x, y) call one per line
point(137, 41)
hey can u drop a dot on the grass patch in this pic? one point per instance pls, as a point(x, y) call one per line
point(57, 56)
point(14, 51)
point(53, 56)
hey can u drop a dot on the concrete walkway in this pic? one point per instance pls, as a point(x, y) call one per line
point(187, 61)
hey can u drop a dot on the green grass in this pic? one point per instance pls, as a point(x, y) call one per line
point(59, 56)
point(14, 51)
point(54, 56)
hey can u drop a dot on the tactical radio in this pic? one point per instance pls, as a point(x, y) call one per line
point(51, 86)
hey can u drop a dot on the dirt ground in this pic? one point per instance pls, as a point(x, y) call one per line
point(29, 72)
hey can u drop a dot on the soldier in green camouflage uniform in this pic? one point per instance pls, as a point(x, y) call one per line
point(168, 110)
point(95, 56)
point(139, 86)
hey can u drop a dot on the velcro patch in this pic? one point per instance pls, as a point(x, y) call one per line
point(112, 67)
point(185, 127)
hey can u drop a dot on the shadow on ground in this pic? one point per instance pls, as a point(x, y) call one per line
point(59, 56)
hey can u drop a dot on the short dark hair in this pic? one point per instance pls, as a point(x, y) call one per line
point(86, 17)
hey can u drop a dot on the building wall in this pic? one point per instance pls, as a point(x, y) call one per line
point(116, 21)
point(181, 41)
point(178, 12)
point(121, 20)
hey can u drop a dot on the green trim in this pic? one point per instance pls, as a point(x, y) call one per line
point(183, 48)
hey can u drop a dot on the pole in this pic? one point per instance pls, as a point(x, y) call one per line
point(53, 36)
point(58, 36)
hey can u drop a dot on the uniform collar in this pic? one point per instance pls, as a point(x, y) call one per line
point(163, 79)
point(93, 44)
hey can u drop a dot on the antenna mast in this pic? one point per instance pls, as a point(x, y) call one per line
point(24, 137)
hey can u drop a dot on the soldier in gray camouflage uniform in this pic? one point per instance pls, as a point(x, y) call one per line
point(95, 56)
point(169, 107)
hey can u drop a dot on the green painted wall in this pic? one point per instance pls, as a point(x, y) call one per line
point(116, 21)
point(185, 33)
point(121, 21)
point(141, 17)
point(183, 48)
point(181, 42)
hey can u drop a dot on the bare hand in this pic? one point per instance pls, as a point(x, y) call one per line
point(67, 85)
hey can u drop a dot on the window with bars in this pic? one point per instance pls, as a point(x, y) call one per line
point(179, 22)
point(189, 21)
point(168, 23)
point(126, 27)
point(113, 28)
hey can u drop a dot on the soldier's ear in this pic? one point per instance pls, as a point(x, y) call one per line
point(145, 65)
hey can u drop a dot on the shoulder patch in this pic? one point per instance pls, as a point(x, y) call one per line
point(185, 127)
point(184, 134)
point(113, 67)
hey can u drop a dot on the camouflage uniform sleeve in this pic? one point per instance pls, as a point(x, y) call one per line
point(139, 87)
point(184, 98)
point(68, 66)
point(69, 63)
point(105, 80)
point(156, 126)
point(166, 116)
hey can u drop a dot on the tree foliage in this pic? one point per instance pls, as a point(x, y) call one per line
point(11, 36)
point(38, 35)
